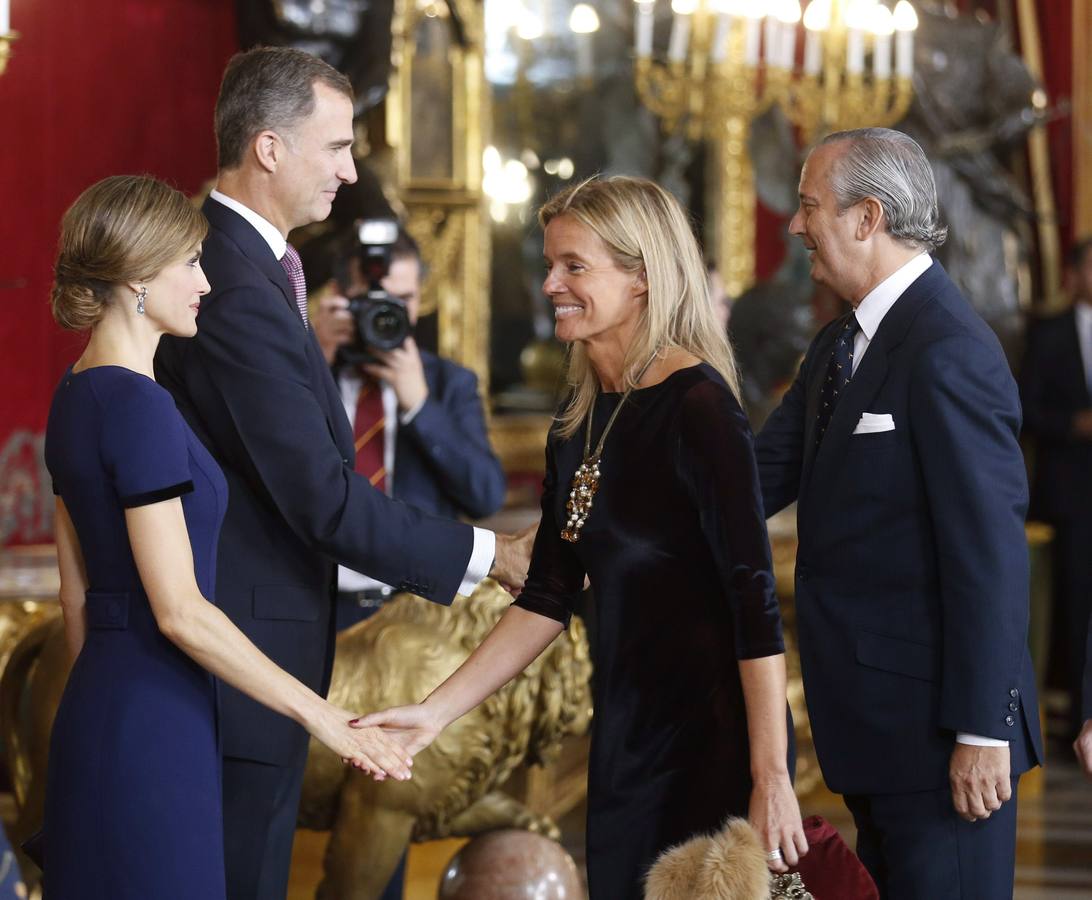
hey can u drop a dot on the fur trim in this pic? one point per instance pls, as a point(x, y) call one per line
point(734, 867)
point(674, 874)
point(728, 865)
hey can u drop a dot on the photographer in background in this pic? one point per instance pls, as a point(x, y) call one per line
point(418, 420)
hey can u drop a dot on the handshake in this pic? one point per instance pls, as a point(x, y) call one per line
point(383, 744)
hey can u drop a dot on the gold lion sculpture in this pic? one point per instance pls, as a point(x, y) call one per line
point(396, 657)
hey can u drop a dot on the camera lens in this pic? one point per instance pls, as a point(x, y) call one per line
point(387, 324)
point(382, 322)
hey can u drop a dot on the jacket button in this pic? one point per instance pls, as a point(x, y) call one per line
point(1010, 721)
point(1013, 706)
point(1014, 693)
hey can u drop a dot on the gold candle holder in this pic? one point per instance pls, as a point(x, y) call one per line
point(714, 97)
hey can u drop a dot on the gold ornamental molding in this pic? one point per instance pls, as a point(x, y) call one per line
point(1082, 119)
point(1046, 211)
point(435, 119)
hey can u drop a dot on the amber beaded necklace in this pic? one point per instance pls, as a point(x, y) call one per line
point(586, 480)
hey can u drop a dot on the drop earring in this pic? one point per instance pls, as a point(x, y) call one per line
point(141, 296)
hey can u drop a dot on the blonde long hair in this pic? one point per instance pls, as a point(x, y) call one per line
point(644, 227)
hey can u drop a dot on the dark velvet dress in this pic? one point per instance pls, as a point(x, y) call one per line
point(679, 561)
point(133, 786)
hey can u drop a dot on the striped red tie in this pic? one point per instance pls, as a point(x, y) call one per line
point(368, 434)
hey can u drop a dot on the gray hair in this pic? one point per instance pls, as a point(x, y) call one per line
point(890, 167)
point(268, 87)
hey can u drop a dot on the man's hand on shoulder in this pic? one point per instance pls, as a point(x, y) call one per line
point(403, 370)
point(1083, 747)
point(980, 780)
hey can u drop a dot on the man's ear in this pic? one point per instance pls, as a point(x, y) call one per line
point(870, 219)
point(268, 150)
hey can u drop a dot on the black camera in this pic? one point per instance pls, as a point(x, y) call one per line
point(382, 321)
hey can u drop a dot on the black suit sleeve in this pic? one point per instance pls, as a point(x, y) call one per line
point(965, 417)
point(449, 432)
point(254, 354)
point(779, 447)
point(1044, 417)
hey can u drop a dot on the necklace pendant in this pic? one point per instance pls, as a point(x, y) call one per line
point(578, 506)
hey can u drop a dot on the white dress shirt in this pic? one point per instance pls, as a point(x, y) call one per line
point(870, 312)
point(1083, 314)
point(485, 542)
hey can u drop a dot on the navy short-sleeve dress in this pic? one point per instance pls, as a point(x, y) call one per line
point(133, 787)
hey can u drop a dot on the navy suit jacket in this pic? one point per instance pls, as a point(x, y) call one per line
point(1053, 387)
point(443, 460)
point(254, 386)
point(912, 567)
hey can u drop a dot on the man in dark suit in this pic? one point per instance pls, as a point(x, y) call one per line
point(427, 422)
point(254, 386)
point(1056, 390)
point(898, 440)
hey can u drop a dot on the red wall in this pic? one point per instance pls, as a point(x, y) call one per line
point(93, 89)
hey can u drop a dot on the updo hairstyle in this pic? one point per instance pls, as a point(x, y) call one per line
point(122, 229)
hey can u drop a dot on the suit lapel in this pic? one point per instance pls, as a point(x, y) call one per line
point(253, 246)
point(818, 478)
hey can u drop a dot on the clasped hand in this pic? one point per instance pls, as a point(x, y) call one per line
point(370, 749)
point(980, 780)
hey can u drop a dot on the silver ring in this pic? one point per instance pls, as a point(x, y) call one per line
point(774, 854)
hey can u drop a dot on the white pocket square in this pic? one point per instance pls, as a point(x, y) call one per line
point(873, 423)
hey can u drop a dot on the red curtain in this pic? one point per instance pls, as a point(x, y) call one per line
point(92, 89)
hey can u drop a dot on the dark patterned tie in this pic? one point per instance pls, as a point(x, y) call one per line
point(293, 268)
point(368, 427)
point(839, 371)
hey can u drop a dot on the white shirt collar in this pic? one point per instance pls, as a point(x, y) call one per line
point(269, 232)
point(1083, 312)
point(871, 310)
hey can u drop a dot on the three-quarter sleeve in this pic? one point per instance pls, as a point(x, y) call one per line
point(556, 576)
point(143, 445)
point(716, 463)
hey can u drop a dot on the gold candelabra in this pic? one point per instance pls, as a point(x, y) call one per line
point(729, 61)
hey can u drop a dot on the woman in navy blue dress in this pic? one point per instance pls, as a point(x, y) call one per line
point(133, 788)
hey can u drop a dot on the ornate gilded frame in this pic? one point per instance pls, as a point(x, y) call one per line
point(446, 214)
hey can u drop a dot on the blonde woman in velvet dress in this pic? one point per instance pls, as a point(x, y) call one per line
point(666, 520)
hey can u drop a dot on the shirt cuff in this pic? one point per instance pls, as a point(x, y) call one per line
point(976, 740)
point(410, 414)
point(481, 560)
